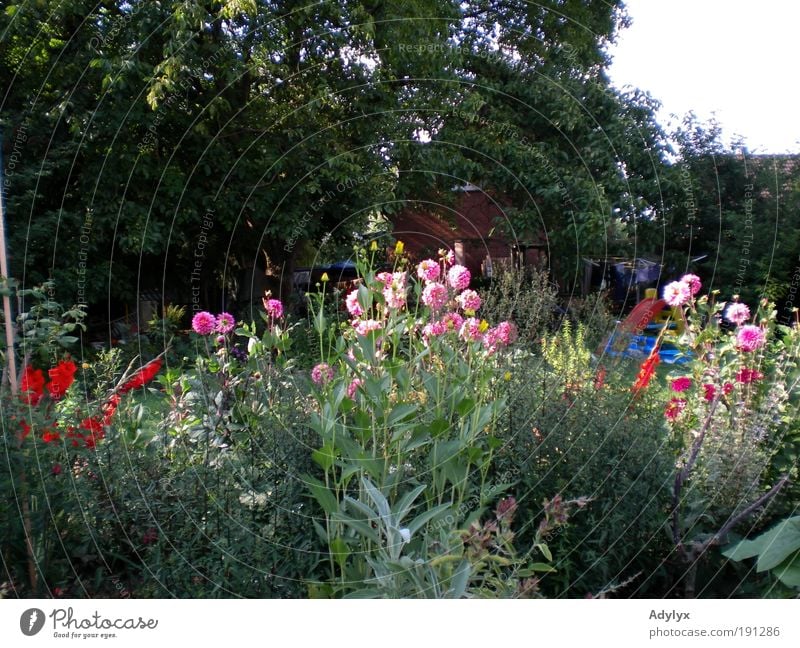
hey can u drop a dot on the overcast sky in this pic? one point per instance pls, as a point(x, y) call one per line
point(738, 58)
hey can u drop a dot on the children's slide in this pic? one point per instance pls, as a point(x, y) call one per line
point(642, 327)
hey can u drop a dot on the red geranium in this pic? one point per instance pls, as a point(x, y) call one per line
point(142, 377)
point(646, 371)
point(31, 385)
point(50, 436)
point(61, 377)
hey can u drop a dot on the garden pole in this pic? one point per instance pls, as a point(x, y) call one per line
point(9, 322)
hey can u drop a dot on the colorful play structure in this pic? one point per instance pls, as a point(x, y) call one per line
point(650, 320)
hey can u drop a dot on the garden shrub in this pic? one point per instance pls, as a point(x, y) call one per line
point(524, 296)
point(571, 436)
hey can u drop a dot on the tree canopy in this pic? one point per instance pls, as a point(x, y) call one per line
point(180, 144)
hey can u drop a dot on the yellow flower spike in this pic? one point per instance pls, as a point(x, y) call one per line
point(399, 247)
point(373, 247)
point(324, 278)
point(507, 376)
point(483, 326)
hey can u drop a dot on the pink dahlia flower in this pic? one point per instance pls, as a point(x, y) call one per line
point(469, 300)
point(681, 384)
point(428, 270)
point(471, 330)
point(674, 407)
point(353, 307)
point(225, 323)
point(274, 308)
point(366, 326)
point(693, 281)
point(458, 277)
point(434, 296)
point(750, 337)
point(677, 293)
point(204, 323)
point(737, 313)
point(322, 373)
point(452, 321)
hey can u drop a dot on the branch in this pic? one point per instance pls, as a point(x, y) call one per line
point(683, 473)
point(719, 535)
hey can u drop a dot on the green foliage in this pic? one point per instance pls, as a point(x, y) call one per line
point(567, 355)
point(45, 328)
point(527, 297)
point(580, 440)
point(776, 550)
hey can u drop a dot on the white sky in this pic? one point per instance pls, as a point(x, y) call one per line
point(737, 58)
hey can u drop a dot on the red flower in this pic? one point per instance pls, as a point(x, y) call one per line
point(600, 378)
point(674, 407)
point(747, 376)
point(61, 377)
point(32, 381)
point(646, 371)
point(711, 391)
point(681, 384)
point(95, 429)
point(49, 436)
point(150, 536)
point(142, 377)
point(109, 407)
point(56, 469)
point(26, 429)
point(74, 437)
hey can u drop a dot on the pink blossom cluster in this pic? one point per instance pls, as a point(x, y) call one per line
point(353, 305)
point(204, 323)
point(322, 373)
point(352, 388)
point(273, 307)
point(737, 313)
point(680, 292)
point(469, 300)
point(458, 277)
point(394, 289)
point(435, 296)
point(750, 337)
point(500, 336)
point(364, 327)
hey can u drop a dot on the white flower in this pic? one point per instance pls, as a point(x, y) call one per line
point(405, 534)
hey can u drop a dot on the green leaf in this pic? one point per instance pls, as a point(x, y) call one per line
point(534, 568)
point(325, 456)
point(465, 407)
point(788, 572)
point(406, 502)
point(364, 529)
point(340, 551)
point(460, 580)
point(322, 494)
point(545, 550)
point(400, 412)
point(378, 499)
point(783, 544)
point(423, 518)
